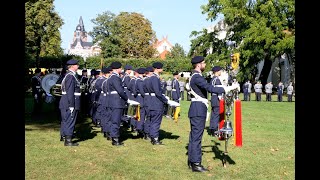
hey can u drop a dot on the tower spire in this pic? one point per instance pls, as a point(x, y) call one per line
point(81, 24)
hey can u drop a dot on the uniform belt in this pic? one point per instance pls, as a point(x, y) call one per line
point(76, 93)
point(173, 90)
point(139, 94)
point(203, 100)
point(104, 94)
point(113, 92)
point(152, 94)
point(38, 86)
point(146, 94)
point(125, 87)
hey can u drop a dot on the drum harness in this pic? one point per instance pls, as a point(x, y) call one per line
point(196, 96)
point(63, 84)
point(112, 92)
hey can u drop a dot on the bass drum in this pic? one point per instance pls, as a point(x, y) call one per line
point(47, 82)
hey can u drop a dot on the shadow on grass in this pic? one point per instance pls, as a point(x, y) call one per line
point(84, 131)
point(166, 135)
point(219, 154)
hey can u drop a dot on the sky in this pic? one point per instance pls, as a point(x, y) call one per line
point(175, 19)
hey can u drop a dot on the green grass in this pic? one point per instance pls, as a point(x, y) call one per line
point(267, 152)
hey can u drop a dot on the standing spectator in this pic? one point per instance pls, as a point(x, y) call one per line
point(249, 90)
point(258, 90)
point(37, 92)
point(268, 88)
point(289, 92)
point(245, 87)
point(280, 88)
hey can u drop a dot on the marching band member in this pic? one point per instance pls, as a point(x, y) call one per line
point(118, 97)
point(215, 101)
point(84, 95)
point(198, 112)
point(37, 92)
point(94, 97)
point(175, 92)
point(139, 95)
point(125, 78)
point(147, 97)
point(102, 108)
point(131, 95)
point(97, 115)
point(157, 102)
point(69, 104)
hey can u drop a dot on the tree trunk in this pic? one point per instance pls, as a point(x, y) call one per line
point(265, 70)
point(38, 52)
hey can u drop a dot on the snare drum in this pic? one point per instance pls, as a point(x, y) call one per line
point(173, 110)
point(133, 109)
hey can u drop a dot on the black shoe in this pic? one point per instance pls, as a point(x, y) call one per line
point(68, 141)
point(116, 142)
point(147, 137)
point(106, 135)
point(155, 141)
point(62, 138)
point(140, 135)
point(189, 164)
point(197, 167)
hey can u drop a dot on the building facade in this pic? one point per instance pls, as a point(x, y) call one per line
point(80, 45)
point(163, 47)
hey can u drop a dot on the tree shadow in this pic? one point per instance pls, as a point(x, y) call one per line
point(166, 135)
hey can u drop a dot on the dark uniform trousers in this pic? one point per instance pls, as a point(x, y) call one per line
point(68, 121)
point(197, 127)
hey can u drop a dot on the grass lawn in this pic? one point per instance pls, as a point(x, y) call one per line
point(267, 152)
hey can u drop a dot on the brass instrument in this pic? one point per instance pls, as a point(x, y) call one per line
point(56, 89)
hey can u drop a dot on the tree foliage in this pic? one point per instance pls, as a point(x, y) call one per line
point(42, 35)
point(262, 30)
point(127, 35)
point(177, 51)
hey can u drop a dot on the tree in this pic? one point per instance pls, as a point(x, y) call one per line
point(42, 35)
point(262, 29)
point(176, 52)
point(128, 35)
point(105, 33)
